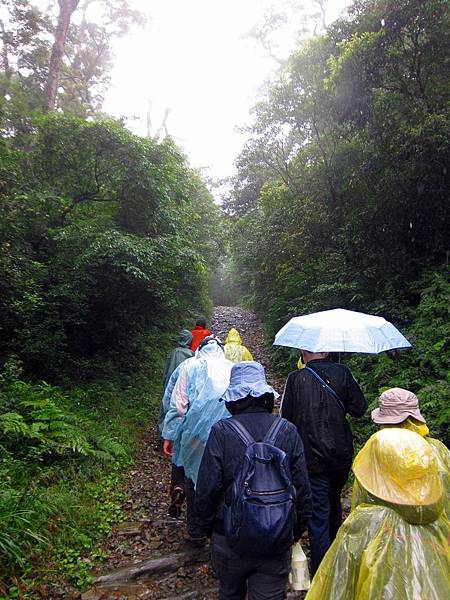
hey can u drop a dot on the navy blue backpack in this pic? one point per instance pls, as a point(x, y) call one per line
point(259, 513)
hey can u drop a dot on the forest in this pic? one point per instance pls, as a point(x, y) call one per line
point(111, 242)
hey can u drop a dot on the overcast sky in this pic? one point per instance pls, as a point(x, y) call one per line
point(194, 59)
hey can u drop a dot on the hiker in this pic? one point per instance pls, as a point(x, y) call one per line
point(177, 491)
point(395, 545)
point(176, 357)
point(194, 408)
point(234, 348)
point(199, 333)
point(245, 559)
point(398, 407)
point(318, 409)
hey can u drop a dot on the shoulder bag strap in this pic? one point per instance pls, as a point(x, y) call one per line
point(325, 385)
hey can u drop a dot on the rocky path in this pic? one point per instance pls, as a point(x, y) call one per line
point(147, 557)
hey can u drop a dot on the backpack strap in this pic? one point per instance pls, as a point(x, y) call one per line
point(241, 431)
point(274, 430)
point(328, 388)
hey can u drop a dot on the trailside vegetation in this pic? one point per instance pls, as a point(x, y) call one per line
point(104, 255)
point(341, 193)
point(107, 240)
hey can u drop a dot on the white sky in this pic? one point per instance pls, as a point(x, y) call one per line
point(193, 58)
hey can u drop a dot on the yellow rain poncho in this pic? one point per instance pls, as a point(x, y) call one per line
point(394, 546)
point(234, 349)
point(441, 454)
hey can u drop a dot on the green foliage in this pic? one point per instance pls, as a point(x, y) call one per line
point(341, 195)
point(62, 457)
point(422, 369)
point(106, 238)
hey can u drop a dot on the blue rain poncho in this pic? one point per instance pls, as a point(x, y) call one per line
point(165, 400)
point(195, 407)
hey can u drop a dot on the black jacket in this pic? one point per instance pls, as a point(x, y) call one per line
point(318, 416)
point(222, 460)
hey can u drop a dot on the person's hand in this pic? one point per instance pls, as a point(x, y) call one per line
point(168, 447)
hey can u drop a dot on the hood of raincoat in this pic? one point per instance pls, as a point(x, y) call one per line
point(233, 336)
point(397, 468)
point(412, 425)
point(185, 338)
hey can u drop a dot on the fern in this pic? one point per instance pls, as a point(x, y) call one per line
point(14, 423)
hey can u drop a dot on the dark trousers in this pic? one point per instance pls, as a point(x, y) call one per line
point(262, 578)
point(177, 477)
point(193, 527)
point(326, 517)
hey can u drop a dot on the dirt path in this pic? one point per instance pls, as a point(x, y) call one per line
point(147, 556)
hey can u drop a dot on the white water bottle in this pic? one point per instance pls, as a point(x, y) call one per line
point(299, 575)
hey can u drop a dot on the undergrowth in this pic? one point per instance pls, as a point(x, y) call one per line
point(63, 456)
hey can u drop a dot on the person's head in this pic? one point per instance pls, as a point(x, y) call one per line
point(201, 322)
point(399, 466)
point(233, 336)
point(212, 340)
point(307, 355)
point(185, 338)
point(248, 387)
point(395, 406)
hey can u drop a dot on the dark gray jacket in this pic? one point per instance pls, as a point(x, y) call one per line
point(222, 460)
point(319, 418)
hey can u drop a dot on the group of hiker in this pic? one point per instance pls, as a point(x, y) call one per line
point(254, 483)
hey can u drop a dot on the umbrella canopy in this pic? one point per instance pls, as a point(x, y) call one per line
point(340, 330)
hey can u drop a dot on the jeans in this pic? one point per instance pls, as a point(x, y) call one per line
point(263, 578)
point(326, 517)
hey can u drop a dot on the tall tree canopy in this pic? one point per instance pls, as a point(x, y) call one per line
point(341, 196)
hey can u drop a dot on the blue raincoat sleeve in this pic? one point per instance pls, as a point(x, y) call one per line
point(165, 400)
point(175, 401)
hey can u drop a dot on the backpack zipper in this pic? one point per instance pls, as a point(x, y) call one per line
point(274, 492)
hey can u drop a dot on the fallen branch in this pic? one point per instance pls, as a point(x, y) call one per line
point(157, 565)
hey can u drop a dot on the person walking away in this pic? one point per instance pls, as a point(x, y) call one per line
point(398, 407)
point(234, 348)
point(194, 408)
point(318, 408)
point(199, 333)
point(243, 560)
point(175, 358)
point(177, 492)
point(395, 545)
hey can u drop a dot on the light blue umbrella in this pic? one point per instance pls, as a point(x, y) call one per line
point(340, 330)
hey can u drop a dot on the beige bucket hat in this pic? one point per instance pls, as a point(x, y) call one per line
point(396, 405)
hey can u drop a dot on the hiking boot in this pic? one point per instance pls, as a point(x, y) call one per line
point(177, 499)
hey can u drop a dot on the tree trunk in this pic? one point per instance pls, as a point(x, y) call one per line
point(5, 60)
point(66, 9)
